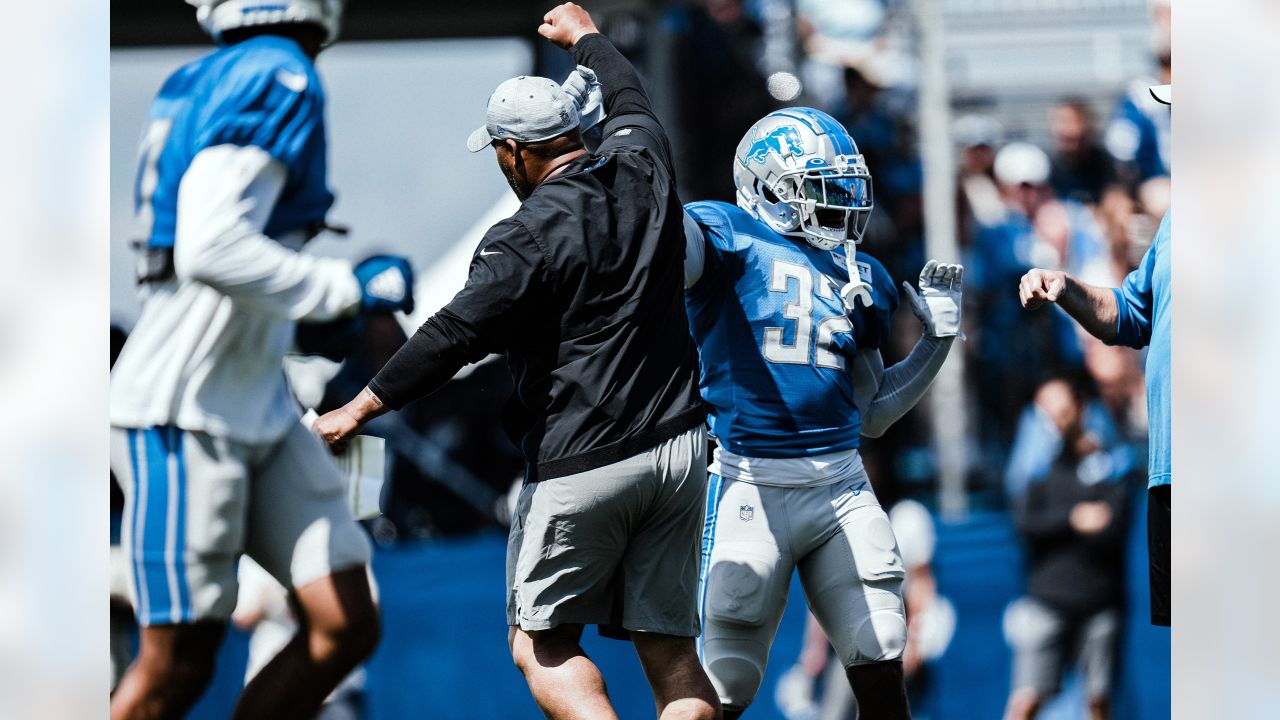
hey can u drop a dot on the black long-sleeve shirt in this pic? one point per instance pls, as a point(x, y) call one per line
point(582, 288)
point(1073, 572)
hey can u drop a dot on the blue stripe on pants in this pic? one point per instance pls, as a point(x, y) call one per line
point(185, 609)
point(708, 543)
point(158, 606)
point(135, 528)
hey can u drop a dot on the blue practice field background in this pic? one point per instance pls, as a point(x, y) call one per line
point(444, 654)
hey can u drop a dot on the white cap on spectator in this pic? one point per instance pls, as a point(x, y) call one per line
point(1162, 93)
point(1020, 162)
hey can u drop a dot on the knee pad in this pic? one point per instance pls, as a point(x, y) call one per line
point(881, 635)
point(736, 669)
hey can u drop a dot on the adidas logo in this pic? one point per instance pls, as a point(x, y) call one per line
point(387, 285)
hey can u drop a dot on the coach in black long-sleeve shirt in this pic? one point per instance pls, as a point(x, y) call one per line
point(582, 288)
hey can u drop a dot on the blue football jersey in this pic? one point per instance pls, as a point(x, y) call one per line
point(774, 338)
point(262, 92)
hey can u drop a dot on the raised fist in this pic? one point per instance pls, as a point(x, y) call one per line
point(566, 24)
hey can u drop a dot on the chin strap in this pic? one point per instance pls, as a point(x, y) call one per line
point(857, 289)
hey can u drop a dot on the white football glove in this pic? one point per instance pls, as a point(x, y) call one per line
point(584, 88)
point(938, 302)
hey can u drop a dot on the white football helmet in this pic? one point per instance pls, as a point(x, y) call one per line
point(218, 16)
point(798, 171)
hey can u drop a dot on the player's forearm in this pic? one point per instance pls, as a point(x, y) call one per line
point(902, 385)
point(1093, 307)
point(224, 201)
point(619, 81)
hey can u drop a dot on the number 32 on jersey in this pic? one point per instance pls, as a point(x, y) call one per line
point(800, 311)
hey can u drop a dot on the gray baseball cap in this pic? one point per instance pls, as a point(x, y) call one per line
point(526, 109)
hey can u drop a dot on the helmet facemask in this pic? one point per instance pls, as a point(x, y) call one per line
point(826, 206)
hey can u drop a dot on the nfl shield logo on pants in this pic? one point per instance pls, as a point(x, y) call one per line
point(746, 512)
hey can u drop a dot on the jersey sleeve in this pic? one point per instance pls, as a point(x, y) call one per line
point(269, 100)
point(1135, 298)
point(717, 241)
point(877, 324)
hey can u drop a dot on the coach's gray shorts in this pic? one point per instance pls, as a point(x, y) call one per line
point(1046, 641)
point(195, 502)
point(618, 545)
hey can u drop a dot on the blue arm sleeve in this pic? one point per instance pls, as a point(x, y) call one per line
point(877, 327)
point(1135, 304)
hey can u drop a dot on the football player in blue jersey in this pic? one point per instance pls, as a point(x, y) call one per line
point(789, 319)
point(206, 439)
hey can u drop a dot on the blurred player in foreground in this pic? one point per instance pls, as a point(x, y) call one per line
point(581, 288)
point(206, 440)
point(1136, 314)
point(789, 319)
point(263, 611)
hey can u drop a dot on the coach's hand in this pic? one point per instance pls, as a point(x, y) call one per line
point(566, 24)
point(1041, 286)
point(938, 302)
point(336, 427)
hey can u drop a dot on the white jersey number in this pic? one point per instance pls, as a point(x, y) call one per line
point(800, 310)
point(153, 141)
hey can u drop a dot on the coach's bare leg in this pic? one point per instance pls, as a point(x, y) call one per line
point(174, 665)
point(563, 680)
point(681, 687)
point(880, 690)
point(338, 628)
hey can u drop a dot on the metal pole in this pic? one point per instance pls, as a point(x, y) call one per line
point(947, 408)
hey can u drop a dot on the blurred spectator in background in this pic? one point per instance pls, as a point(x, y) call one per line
point(1072, 519)
point(835, 34)
point(884, 128)
point(1043, 432)
point(1015, 352)
point(1139, 135)
point(978, 203)
point(1117, 373)
point(1081, 170)
point(1121, 251)
point(263, 610)
point(724, 95)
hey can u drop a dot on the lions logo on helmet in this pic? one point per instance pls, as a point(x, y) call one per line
point(799, 172)
point(785, 141)
point(218, 16)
